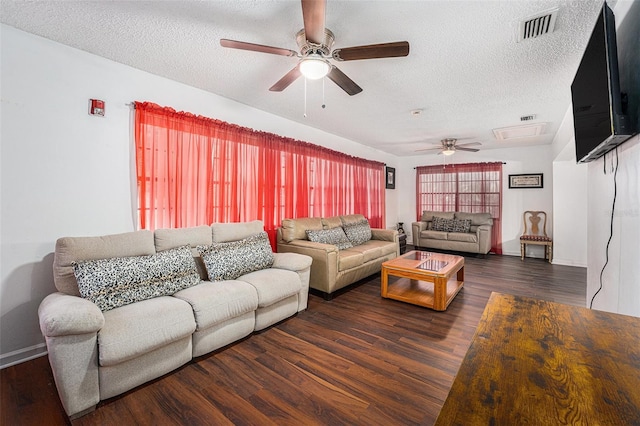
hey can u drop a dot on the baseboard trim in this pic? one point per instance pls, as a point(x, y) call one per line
point(22, 355)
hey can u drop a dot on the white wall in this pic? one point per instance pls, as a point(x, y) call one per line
point(621, 278)
point(65, 173)
point(569, 198)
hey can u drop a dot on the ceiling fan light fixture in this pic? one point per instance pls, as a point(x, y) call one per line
point(449, 151)
point(314, 67)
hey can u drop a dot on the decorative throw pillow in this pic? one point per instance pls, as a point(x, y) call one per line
point(111, 283)
point(335, 236)
point(358, 233)
point(441, 224)
point(228, 261)
point(461, 225)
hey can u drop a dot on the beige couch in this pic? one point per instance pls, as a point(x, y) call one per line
point(434, 230)
point(98, 351)
point(332, 268)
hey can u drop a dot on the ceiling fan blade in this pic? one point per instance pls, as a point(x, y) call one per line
point(285, 81)
point(233, 44)
point(345, 83)
point(313, 14)
point(429, 149)
point(460, 148)
point(468, 144)
point(371, 51)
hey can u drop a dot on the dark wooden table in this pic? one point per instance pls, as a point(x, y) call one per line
point(543, 363)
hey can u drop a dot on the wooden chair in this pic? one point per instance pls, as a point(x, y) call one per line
point(533, 234)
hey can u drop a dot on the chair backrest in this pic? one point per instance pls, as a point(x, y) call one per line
point(532, 225)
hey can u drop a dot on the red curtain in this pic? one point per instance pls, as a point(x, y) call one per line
point(193, 170)
point(470, 188)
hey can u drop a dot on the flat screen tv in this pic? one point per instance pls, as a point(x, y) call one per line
point(599, 119)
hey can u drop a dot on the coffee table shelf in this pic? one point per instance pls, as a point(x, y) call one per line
point(433, 289)
point(419, 292)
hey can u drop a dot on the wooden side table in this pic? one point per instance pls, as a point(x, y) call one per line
point(402, 240)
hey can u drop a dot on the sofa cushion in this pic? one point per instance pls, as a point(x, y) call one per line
point(75, 249)
point(273, 285)
point(194, 236)
point(229, 260)
point(331, 222)
point(110, 283)
point(352, 219)
point(370, 249)
point(348, 259)
point(133, 330)
point(335, 236)
point(216, 302)
point(296, 229)
point(358, 233)
point(441, 224)
point(460, 225)
point(462, 236)
point(476, 218)
point(429, 215)
point(434, 235)
point(166, 239)
point(229, 232)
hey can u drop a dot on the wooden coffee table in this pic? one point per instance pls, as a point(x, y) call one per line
point(426, 279)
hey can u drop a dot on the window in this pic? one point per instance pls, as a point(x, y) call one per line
point(469, 188)
point(194, 170)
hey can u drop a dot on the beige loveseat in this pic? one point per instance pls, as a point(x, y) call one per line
point(334, 268)
point(455, 231)
point(131, 326)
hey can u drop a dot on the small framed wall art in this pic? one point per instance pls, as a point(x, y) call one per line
point(529, 180)
point(390, 178)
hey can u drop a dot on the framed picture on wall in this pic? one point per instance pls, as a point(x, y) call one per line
point(531, 180)
point(390, 178)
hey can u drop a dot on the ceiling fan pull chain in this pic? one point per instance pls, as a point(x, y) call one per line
point(323, 102)
point(305, 98)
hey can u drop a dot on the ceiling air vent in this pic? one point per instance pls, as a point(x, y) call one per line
point(521, 131)
point(535, 26)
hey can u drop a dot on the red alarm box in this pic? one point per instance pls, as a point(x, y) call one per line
point(96, 107)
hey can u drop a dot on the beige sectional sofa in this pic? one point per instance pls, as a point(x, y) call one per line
point(334, 268)
point(131, 325)
point(455, 231)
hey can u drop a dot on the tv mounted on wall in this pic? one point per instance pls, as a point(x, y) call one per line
point(599, 118)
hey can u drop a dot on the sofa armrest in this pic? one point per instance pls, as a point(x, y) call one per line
point(484, 238)
point(301, 264)
point(62, 314)
point(324, 268)
point(384, 234)
point(416, 229)
point(291, 261)
point(70, 325)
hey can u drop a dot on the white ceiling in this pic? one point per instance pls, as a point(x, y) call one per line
point(465, 69)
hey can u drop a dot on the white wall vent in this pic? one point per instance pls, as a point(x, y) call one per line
point(535, 26)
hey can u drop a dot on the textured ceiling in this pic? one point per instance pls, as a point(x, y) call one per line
point(465, 70)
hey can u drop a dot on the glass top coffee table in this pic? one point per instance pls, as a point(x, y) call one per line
point(426, 279)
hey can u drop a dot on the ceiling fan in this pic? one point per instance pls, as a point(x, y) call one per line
point(315, 43)
point(449, 147)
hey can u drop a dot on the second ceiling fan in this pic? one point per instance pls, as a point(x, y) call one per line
point(315, 43)
point(448, 146)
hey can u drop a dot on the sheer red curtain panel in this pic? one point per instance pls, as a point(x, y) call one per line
point(469, 187)
point(193, 170)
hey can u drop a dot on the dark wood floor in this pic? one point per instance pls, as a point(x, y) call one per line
point(358, 360)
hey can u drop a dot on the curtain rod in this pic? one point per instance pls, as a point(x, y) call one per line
point(455, 164)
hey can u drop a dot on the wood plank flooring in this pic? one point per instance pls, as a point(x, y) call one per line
point(357, 359)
